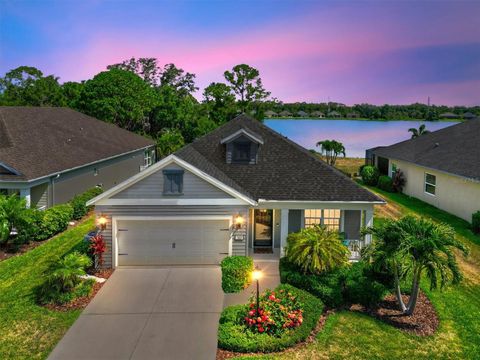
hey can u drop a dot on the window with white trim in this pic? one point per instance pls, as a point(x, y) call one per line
point(394, 170)
point(148, 158)
point(430, 183)
point(328, 217)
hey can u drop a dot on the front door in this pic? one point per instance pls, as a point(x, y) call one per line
point(263, 237)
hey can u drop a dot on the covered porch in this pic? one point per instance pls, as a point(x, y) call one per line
point(271, 222)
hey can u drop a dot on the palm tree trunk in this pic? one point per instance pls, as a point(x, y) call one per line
point(412, 302)
point(398, 291)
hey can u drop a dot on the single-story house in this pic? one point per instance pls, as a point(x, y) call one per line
point(352, 115)
point(318, 114)
point(302, 113)
point(270, 113)
point(334, 114)
point(48, 155)
point(285, 113)
point(448, 115)
point(469, 115)
point(239, 189)
point(441, 168)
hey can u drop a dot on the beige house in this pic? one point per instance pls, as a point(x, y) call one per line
point(441, 168)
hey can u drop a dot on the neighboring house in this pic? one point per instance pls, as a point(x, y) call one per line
point(240, 188)
point(469, 116)
point(302, 114)
point(285, 113)
point(334, 114)
point(270, 113)
point(318, 114)
point(48, 155)
point(441, 167)
point(448, 115)
point(352, 115)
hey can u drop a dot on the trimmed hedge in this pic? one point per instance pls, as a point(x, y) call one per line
point(236, 273)
point(385, 183)
point(476, 222)
point(234, 336)
point(370, 175)
point(355, 284)
point(79, 202)
point(54, 221)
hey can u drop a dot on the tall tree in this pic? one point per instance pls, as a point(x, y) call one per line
point(147, 68)
point(72, 92)
point(28, 86)
point(413, 246)
point(331, 149)
point(418, 132)
point(119, 97)
point(169, 141)
point(183, 82)
point(247, 85)
point(219, 100)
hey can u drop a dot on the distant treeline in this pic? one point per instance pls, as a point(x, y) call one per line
point(368, 111)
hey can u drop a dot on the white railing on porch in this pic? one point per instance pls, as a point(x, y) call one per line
point(355, 247)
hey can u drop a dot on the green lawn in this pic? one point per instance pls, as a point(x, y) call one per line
point(28, 331)
point(348, 335)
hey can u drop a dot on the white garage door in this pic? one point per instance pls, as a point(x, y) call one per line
point(169, 242)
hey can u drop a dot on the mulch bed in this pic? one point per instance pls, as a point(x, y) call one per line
point(82, 302)
point(423, 322)
point(225, 354)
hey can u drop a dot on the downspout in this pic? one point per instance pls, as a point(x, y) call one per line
point(53, 188)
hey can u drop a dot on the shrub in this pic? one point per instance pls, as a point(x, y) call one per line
point(31, 227)
point(55, 220)
point(277, 312)
point(385, 183)
point(316, 249)
point(233, 334)
point(476, 222)
point(79, 205)
point(63, 282)
point(370, 175)
point(236, 273)
point(98, 247)
point(13, 215)
point(360, 286)
point(326, 286)
point(398, 181)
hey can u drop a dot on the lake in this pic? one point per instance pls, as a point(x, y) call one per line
point(356, 135)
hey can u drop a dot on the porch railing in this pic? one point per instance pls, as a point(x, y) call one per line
point(355, 247)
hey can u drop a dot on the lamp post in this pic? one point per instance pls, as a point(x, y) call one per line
point(257, 274)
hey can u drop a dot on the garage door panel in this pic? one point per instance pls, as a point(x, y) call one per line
point(166, 242)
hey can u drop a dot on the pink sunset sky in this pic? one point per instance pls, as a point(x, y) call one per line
point(346, 51)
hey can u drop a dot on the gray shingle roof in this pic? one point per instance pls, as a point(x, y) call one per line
point(39, 141)
point(284, 171)
point(454, 149)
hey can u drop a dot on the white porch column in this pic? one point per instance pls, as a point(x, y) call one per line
point(283, 230)
point(368, 223)
point(25, 194)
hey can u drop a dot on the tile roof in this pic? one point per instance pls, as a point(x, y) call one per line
point(40, 141)
point(284, 171)
point(454, 149)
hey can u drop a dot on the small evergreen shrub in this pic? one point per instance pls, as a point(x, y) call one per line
point(370, 175)
point(236, 273)
point(79, 202)
point(385, 183)
point(398, 181)
point(476, 222)
point(234, 335)
point(361, 288)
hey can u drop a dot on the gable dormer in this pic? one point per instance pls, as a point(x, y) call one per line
point(242, 147)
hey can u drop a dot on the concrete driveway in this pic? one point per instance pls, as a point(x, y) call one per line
point(149, 313)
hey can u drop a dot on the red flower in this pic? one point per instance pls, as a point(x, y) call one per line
point(261, 329)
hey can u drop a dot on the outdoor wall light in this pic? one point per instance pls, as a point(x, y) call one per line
point(102, 222)
point(239, 220)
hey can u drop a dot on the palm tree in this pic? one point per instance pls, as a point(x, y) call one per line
point(331, 149)
point(413, 246)
point(418, 132)
point(316, 249)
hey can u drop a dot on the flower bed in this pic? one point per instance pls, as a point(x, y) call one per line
point(288, 315)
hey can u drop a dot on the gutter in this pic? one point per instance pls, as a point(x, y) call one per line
point(78, 167)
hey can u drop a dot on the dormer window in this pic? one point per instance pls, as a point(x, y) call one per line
point(241, 152)
point(242, 147)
